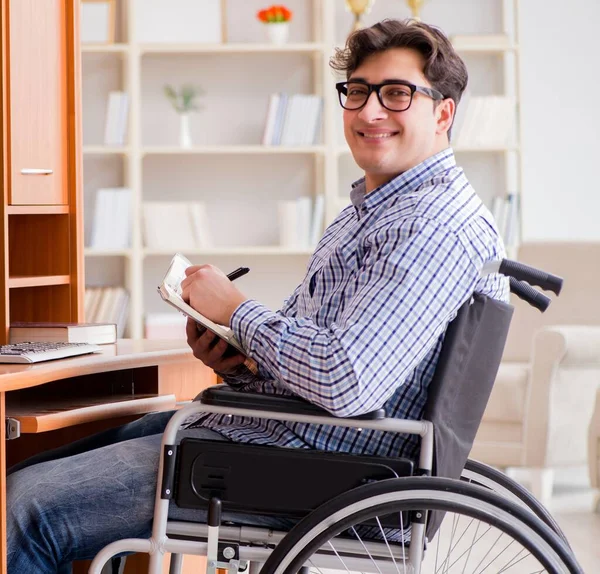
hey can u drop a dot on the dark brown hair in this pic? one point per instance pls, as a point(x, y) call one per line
point(444, 68)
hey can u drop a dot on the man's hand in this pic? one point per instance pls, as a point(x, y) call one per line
point(207, 289)
point(209, 348)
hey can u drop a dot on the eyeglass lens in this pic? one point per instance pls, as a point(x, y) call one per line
point(396, 97)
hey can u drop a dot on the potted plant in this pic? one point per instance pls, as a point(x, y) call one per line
point(276, 19)
point(183, 101)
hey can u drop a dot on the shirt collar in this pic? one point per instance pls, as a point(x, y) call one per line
point(405, 182)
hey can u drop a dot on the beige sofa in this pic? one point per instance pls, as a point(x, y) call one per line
point(594, 451)
point(542, 403)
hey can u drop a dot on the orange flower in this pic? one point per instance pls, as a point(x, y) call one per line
point(275, 13)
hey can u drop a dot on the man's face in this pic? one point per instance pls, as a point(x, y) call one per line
point(385, 143)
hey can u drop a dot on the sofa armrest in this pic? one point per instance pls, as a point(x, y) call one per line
point(224, 395)
point(580, 344)
point(594, 445)
point(565, 372)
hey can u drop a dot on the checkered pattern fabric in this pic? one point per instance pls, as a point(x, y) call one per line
point(365, 327)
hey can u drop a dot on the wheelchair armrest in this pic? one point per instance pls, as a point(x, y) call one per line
point(223, 395)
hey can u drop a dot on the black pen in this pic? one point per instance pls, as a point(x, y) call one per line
point(237, 273)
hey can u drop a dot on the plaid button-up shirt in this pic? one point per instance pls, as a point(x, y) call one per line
point(364, 328)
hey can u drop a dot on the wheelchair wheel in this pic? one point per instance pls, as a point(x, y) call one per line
point(482, 474)
point(366, 530)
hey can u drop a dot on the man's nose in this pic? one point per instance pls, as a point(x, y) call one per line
point(372, 109)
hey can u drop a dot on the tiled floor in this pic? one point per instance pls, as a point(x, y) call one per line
point(572, 504)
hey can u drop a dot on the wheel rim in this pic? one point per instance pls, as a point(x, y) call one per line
point(478, 539)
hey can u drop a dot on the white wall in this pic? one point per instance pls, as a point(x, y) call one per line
point(561, 122)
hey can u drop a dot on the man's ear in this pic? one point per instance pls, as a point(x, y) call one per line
point(444, 115)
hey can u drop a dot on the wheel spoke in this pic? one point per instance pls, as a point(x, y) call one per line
point(472, 546)
point(315, 566)
point(339, 557)
point(366, 549)
point(514, 560)
point(388, 546)
point(450, 550)
point(497, 556)
point(487, 553)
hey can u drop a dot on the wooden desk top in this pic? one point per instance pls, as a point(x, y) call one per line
point(125, 354)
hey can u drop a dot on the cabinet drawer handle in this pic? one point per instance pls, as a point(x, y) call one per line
point(34, 171)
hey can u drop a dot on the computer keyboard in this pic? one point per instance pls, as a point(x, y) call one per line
point(37, 352)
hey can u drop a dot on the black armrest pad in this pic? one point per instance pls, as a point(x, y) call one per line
point(225, 396)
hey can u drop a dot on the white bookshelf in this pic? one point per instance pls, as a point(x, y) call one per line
point(233, 149)
point(117, 48)
point(241, 48)
point(234, 169)
point(224, 251)
point(105, 150)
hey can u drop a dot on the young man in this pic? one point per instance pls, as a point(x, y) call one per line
point(364, 328)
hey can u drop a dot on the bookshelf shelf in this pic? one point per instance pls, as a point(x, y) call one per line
point(482, 149)
point(234, 48)
point(119, 48)
point(486, 48)
point(233, 149)
point(39, 281)
point(91, 252)
point(105, 150)
point(486, 149)
point(37, 209)
point(274, 250)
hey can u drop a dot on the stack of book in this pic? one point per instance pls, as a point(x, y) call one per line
point(112, 219)
point(176, 226)
point(95, 333)
point(301, 222)
point(115, 127)
point(293, 120)
point(107, 305)
point(506, 214)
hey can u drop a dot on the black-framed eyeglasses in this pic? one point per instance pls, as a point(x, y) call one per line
point(393, 95)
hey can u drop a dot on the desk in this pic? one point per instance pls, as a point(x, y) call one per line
point(60, 401)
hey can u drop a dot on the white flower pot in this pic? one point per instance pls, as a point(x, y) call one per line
point(278, 32)
point(185, 137)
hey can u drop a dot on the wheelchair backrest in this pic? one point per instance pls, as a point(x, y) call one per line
point(462, 383)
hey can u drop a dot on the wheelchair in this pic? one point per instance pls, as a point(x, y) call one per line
point(360, 513)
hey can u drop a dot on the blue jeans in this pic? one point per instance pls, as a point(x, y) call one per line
point(68, 504)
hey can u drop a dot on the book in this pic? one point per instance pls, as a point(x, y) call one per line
point(170, 292)
point(168, 225)
point(115, 126)
point(112, 219)
point(97, 333)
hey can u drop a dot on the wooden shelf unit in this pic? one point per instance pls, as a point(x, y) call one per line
point(41, 208)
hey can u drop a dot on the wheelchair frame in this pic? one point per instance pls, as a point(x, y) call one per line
point(159, 543)
point(539, 529)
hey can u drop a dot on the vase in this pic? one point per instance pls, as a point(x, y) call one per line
point(278, 32)
point(185, 137)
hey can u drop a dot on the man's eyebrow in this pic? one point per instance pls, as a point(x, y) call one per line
point(401, 80)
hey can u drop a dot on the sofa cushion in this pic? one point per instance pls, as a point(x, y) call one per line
point(507, 401)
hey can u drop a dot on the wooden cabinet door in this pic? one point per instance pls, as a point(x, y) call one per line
point(38, 102)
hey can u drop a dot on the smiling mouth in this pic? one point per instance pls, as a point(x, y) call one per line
point(377, 136)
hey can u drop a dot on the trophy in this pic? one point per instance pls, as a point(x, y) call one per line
point(415, 6)
point(358, 8)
